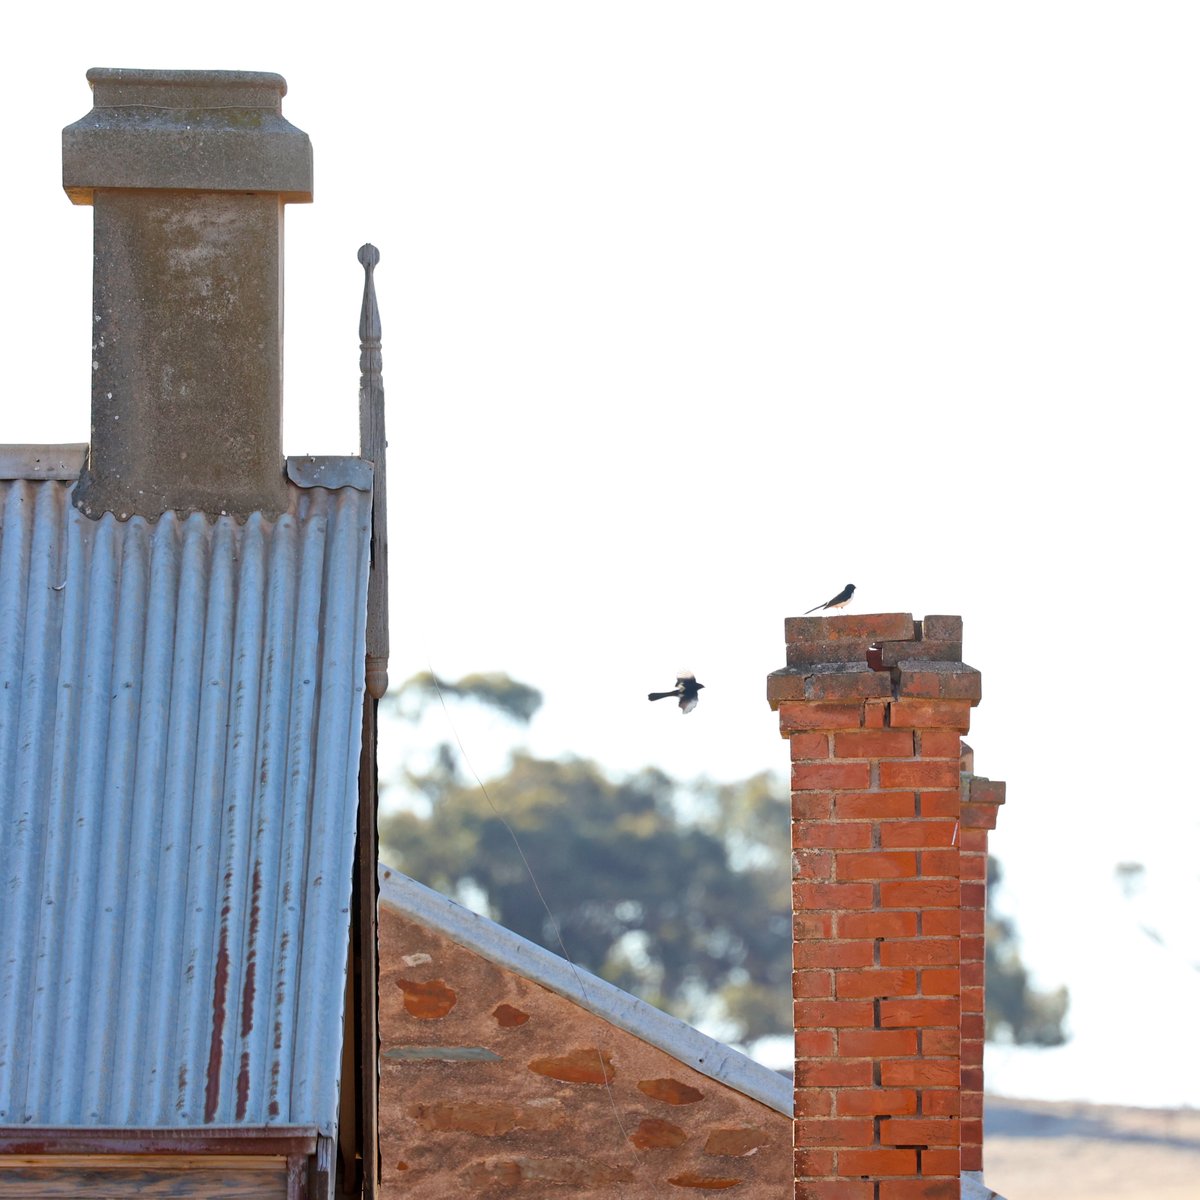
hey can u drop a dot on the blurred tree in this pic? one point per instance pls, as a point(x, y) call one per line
point(646, 900)
point(1015, 1011)
point(495, 690)
point(676, 909)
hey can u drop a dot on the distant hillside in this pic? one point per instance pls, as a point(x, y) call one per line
point(1036, 1150)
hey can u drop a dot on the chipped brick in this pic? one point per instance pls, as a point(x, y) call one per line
point(872, 627)
point(809, 654)
point(938, 681)
point(941, 629)
point(891, 653)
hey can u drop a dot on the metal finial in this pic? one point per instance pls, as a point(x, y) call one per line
point(369, 331)
point(373, 447)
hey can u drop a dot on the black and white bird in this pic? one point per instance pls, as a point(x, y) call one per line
point(839, 601)
point(686, 688)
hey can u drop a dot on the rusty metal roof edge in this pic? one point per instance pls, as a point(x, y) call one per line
point(169, 1139)
point(30, 460)
point(523, 957)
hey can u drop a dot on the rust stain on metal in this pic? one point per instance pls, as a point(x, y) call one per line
point(212, 1085)
point(248, 985)
point(243, 1085)
point(280, 998)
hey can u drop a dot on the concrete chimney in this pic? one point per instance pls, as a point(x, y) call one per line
point(187, 173)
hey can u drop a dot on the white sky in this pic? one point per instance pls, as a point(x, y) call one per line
point(694, 312)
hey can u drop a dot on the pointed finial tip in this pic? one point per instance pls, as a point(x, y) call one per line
point(368, 255)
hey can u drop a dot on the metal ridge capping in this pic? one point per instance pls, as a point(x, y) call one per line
point(180, 715)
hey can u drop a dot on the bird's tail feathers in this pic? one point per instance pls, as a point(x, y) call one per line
point(662, 695)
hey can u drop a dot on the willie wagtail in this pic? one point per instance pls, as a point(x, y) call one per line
point(839, 601)
point(686, 688)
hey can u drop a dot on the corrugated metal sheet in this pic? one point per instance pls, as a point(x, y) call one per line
point(180, 714)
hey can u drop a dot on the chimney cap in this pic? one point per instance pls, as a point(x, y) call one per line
point(178, 89)
point(210, 131)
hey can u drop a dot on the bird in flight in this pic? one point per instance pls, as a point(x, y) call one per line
point(839, 601)
point(686, 688)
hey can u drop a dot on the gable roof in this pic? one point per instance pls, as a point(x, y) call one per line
point(523, 957)
point(180, 718)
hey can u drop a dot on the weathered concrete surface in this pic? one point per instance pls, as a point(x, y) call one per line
point(492, 1085)
point(187, 173)
point(194, 130)
point(187, 355)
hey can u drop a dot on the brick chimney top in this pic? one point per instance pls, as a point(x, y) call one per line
point(879, 655)
point(187, 173)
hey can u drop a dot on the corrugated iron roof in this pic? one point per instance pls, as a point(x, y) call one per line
point(180, 718)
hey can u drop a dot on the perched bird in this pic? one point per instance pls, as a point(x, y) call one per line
point(839, 601)
point(686, 688)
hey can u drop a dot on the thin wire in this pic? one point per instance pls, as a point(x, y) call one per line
point(558, 937)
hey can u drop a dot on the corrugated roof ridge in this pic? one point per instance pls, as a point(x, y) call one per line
point(521, 956)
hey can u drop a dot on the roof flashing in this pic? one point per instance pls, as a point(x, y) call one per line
point(64, 461)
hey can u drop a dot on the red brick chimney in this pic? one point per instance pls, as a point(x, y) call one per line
point(874, 708)
point(187, 173)
point(981, 800)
